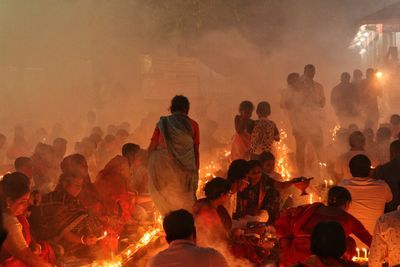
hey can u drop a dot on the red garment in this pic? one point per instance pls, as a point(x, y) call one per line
point(111, 185)
point(296, 224)
point(46, 254)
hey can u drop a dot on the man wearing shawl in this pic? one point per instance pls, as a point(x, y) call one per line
point(174, 159)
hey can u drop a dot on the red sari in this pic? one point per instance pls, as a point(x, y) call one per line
point(46, 253)
point(295, 226)
point(111, 185)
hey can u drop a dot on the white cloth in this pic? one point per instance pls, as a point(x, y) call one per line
point(386, 240)
point(185, 253)
point(369, 197)
point(15, 238)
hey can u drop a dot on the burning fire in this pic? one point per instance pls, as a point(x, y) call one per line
point(282, 157)
point(132, 249)
point(334, 131)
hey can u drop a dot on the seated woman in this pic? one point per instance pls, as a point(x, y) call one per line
point(63, 221)
point(16, 250)
point(295, 225)
point(328, 245)
point(112, 186)
point(259, 195)
point(212, 220)
point(214, 224)
point(76, 164)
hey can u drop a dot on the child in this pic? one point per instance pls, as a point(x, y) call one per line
point(244, 126)
point(264, 133)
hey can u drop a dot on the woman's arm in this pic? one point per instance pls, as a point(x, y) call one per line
point(26, 256)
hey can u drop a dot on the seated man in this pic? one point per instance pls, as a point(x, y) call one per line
point(183, 251)
point(369, 195)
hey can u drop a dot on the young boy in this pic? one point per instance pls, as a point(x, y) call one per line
point(264, 133)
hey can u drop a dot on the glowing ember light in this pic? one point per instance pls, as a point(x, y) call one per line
point(103, 236)
point(282, 157)
point(379, 74)
point(334, 131)
point(131, 250)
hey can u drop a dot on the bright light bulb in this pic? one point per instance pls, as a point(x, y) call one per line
point(379, 74)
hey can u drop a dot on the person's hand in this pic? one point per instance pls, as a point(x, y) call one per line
point(90, 240)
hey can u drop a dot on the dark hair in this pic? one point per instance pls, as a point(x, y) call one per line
point(309, 67)
point(122, 133)
point(254, 163)
point(246, 105)
point(345, 76)
point(130, 149)
point(360, 166)
point(178, 224)
point(66, 164)
point(237, 170)
point(357, 139)
point(263, 109)
point(292, 78)
point(15, 185)
point(395, 119)
point(216, 187)
point(20, 162)
point(60, 140)
point(328, 239)
point(266, 156)
point(357, 72)
point(338, 196)
point(383, 133)
point(180, 103)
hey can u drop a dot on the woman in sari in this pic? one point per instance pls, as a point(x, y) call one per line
point(174, 159)
point(76, 164)
point(16, 250)
point(112, 186)
point(64, 222)
point(295, 225)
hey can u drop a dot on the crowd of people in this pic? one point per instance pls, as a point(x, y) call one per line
point(57, 206)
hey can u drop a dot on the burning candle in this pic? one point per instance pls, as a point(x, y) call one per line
point(311, 198)
point(326, 185)
point(365, 253)
point(358, 252)
point(330, 183)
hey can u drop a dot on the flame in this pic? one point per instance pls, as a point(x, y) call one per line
point(282, 157)
point(131, 250)
point(334, 131)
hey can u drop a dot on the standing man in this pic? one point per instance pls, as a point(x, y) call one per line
point(344, 101)
point(304, 100)
point(370, 90)
point(314, 102)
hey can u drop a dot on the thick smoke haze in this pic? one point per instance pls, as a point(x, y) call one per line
point(60, 59)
